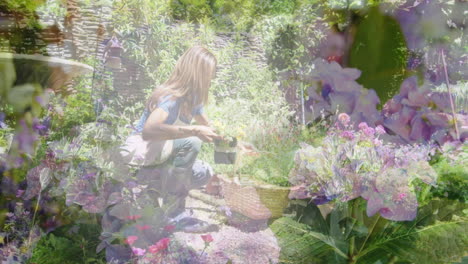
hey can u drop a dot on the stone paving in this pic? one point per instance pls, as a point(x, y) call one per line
point(229, 243)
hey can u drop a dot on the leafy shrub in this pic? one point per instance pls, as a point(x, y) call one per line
point(453, 180)
point(69, 245)
point(347, 235)
point(190, 10)
point(284, 47)
point(73, 110)
point(277, 155)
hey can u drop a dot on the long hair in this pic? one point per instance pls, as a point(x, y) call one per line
point(190, 80)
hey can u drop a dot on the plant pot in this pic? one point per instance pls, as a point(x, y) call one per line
point(225, 151)
point(254, 199)
point(225, 157)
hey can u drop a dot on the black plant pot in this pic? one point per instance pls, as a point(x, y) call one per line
point(225, 151)
point(225, 157)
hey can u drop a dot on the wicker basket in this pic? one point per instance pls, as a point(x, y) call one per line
point(256, 200)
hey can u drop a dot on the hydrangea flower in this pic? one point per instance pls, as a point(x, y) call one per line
point(335, 89)
point(344, 168)
point(419, 115)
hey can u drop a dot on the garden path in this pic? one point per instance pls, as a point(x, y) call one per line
point(229, 242)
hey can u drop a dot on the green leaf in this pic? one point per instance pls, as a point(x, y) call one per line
point(302, 245)
point(379, 51)
point(439, 243)
point(443, 242)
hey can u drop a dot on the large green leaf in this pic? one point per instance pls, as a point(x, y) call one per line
point(441, 242)
point(299, 244)
point(379, 51)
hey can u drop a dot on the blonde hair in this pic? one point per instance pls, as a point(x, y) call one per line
point(190, 80)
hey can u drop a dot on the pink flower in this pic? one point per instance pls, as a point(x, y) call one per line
point(369, 131)
point(347, 134)
point(162, 244)
point(363, 125)
point(19, 193)
point(131, 239)
point(142, 228)
point(138, 251)
point(344, 118)
point(400, 197)
point(377, 142)
point(380, 130)
point(133, 217)
point(207, 238)
point(169, 228)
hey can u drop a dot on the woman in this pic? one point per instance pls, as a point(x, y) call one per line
point(168, 116)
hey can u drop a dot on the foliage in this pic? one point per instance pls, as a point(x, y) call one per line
point(67, 113)
point(453, 175)
point(276, 156)
point(460, 97)
point(69, 244)
point(26, 25)
point(248, 98)
point(291, 40)
point(379, 51)
point(190, 10)
point(347, 235)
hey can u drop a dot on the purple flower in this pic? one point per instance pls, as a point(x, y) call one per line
point(19, 193)
point(138, 251)
point(89, 176)
point(40, 100)
point(334, 89)
point(2, 118)
point(369, 131)
point(26, 138)
point(347, 135)
point(363, 125)
point(377, 142)
point(380, 130)
point(344, 118)
point(41, 127)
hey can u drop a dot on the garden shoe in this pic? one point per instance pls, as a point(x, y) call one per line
point(194, 225)
point(184, 214)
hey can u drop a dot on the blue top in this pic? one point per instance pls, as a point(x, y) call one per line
point(172, 108)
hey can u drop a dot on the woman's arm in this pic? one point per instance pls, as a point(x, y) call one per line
point(155, 129)
point(202, 119)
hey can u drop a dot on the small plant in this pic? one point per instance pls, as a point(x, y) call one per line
point(69, 244)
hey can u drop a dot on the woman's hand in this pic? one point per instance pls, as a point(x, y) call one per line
point(206, 133)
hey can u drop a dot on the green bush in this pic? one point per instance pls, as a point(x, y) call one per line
point(190, 10)
point(284, 50)
point(73, 244)
point(74, 110)
point(452, 182)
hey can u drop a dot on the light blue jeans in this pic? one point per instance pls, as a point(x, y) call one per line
point(184, 172)
point(185, 152)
